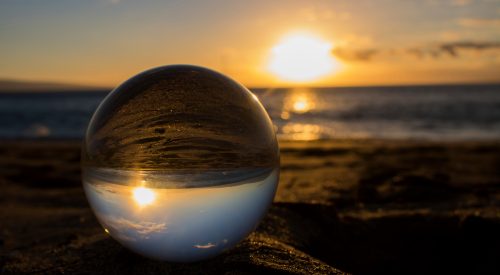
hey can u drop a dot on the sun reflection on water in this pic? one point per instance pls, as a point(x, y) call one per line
point(299, 131)
point(298, 102)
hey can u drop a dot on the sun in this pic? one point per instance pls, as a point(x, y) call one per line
point(301, 58)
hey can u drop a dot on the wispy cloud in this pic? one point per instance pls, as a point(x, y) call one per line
point(142, 228)
point(435, 51)
point(355, 55)
point(133, 230)
point(454, 48)
point(205, 246)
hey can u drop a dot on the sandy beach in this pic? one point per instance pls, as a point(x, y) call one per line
point(354, 206)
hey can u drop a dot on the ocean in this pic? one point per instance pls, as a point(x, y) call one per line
point(448, 112)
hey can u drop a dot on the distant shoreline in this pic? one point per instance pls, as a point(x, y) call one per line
point(15, 86)
point(8, 85)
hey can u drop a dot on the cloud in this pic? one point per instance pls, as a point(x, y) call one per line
point(355, 55)
point(142, 228)
point(454, 48)
point(479, 22)
point(435, 51)
point(205, 246)
point(131, 230)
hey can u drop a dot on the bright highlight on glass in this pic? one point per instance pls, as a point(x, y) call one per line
point(143, 196)
point(180, 163)
point(302, 57)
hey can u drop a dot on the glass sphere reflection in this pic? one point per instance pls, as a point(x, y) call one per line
point(180, 163)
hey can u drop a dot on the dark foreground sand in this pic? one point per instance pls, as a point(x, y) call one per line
point(353, 206)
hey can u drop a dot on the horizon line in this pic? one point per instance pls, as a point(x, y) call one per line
point(38, 86)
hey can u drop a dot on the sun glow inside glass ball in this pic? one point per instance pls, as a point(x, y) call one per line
point(180, 163)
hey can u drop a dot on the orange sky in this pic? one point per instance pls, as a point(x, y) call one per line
point(386, 42)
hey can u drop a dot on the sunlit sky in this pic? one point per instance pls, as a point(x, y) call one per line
point(383, 42)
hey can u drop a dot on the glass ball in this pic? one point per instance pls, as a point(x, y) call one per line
point(180, 163)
